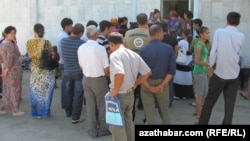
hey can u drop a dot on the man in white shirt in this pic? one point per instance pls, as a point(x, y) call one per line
point(93, 60)
point(66, 24)
point(224, 62)
point(125, 65)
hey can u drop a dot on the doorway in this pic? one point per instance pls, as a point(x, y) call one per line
point(177, 5)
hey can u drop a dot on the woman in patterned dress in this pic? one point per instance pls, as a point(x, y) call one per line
point(41, 81)
point(11, 60)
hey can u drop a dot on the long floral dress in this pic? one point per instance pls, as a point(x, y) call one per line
point(10, 57)
point(41, 81)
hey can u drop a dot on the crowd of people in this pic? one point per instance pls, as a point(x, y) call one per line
point(130, 63)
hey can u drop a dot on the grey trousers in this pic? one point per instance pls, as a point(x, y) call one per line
point(127, 133)
point(150, 100)
point(94, 92)
point(216, 86)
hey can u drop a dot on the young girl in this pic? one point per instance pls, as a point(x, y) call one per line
point(183, 85)
point(200, 69)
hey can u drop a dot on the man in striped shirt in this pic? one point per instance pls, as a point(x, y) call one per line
point(105, 28)
point(73, 73)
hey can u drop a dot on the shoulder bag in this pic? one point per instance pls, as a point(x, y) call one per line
point(47, 60)
point(182, 56)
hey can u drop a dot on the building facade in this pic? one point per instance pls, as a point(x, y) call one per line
point(23, 14)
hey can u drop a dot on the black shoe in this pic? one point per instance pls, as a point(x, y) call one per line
point(139, 107)
point(104, 133)
point(0, 96)
point(242, 86)
point(156, 106)
point(68, 115)
point(170, 105)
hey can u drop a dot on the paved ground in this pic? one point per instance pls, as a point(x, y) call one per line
point(59, 128)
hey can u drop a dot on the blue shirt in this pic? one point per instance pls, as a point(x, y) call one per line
point(160, 58)
point(60, 36)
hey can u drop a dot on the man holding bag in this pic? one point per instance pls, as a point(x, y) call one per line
point(123, 84)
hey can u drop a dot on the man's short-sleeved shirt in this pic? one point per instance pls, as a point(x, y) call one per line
point(93, 58)
point(69, 49)
point(136, 38)
point(129, 63)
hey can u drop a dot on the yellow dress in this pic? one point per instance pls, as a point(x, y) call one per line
point(41, 81)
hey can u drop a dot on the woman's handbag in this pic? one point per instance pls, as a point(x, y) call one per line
point(182, 56)
point(113, 111)
point(47, 60)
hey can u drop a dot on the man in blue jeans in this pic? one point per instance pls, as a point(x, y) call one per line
point(73, 73)
point(66, 24)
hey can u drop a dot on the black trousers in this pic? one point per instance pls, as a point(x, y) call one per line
point(218, 85)
point(137, 93)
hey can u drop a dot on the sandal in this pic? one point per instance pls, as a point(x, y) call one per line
point(241, 94)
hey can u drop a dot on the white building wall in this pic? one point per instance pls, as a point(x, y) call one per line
point(213, 14)
point(23, 14)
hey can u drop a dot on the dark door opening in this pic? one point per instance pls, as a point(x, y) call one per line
point(177, 5)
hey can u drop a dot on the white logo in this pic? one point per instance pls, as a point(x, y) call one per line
point(138, 42)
